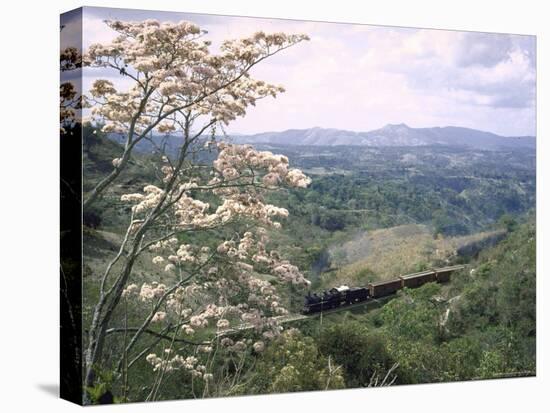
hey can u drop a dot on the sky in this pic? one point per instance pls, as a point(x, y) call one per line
point(362, 77)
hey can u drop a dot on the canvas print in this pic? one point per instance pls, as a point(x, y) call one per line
point(256, 206)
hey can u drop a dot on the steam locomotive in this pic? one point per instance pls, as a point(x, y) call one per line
point(344, 295)
point(335, 297)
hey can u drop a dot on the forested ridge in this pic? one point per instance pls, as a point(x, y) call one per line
point(481, 325)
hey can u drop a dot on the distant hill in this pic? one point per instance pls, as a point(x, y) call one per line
point(391, 135)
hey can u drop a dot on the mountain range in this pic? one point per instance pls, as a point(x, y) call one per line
point(391, 135)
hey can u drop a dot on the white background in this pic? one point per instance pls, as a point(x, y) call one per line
point(29, 206)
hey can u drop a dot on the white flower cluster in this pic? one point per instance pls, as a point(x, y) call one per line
point(130, 290)
point(296, 178)
point(177, 362)
point(184, 254)
point(233, 346)
point(251, 48)
point(227, 247)
point(178, 256)
point(233, 160)
point(102, 87)
point(246, 245)
point(222, 323)
point(166, 127)
point(192, 212)
point(258, 346)
point(151, 291)
point(290, 273)
point(158, 317)
point(254, 318)
point(167, 243)
point(150, 200)
point(115, 109)
point(211, 311)
point(158, 260)
point(177, 302)
point(204, 349)
point(245, 205)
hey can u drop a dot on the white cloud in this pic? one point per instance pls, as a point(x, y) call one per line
point(361, 77)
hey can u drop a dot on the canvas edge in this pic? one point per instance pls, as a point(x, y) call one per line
point(70, 322)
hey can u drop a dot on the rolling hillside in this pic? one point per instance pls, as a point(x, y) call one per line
point(386, 253)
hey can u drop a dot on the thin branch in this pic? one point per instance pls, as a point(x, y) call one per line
point(160, 335)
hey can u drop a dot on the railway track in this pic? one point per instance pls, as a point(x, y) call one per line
point(372, 303)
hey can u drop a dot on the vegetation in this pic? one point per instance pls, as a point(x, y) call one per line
point(456, 190)
point(182, 250)
point(295, 363)
point(482, 325)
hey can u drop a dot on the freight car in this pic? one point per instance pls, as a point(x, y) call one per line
point(417, 279)
point(344, 295)
point(384, 288)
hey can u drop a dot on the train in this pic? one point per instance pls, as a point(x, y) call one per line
point(344, 295)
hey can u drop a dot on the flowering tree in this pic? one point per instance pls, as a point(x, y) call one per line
point(69, 100)
point(176, 81)
point(180, 87)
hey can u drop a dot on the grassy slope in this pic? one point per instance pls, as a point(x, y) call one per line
point(386, 253)
point(480, 325)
